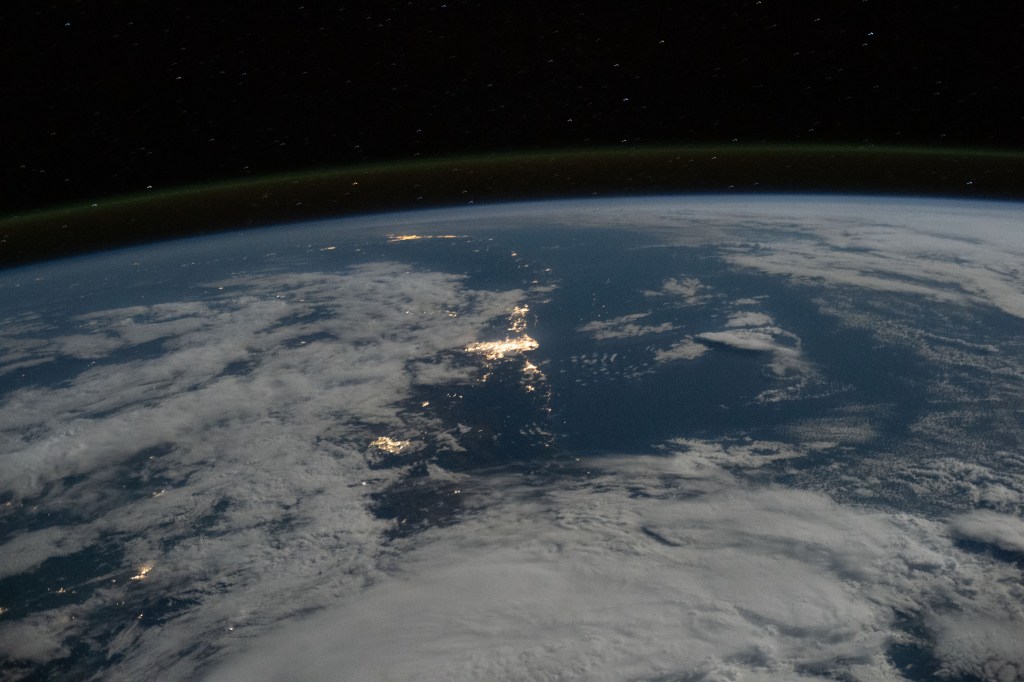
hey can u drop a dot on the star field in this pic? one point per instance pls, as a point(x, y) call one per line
point(123, 97)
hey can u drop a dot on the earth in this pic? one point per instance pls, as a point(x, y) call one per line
point(668, 438)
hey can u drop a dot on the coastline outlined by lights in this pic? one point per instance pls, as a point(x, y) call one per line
point(392, 238)
point(496, 350)
point(391, 446)
point(491, 351)
point(533, 378)
point(143, 572)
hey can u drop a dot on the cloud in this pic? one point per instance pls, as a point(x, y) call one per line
point(354, 364)
point(787, 360)
point(442, 371)
point(757, 340)
point(749, 319)
point(983, 646)
point(916, 248)
point(624, 327)
point(911, 246)
point(686, 290)
point(698, 575)
point(992, 528)
point(26, 551)
point(37, 639)
point(226, 443)
point(742, 453)
point(847, 429)
point(687, 349)
point(235, 461)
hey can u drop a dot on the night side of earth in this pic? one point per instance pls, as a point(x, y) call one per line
point(672, 438)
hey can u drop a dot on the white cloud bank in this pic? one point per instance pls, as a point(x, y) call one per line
point(699, 578)
point(956, 250)
point(989, 527)
point(236, 462)
point(352, 368)
point(961, 252)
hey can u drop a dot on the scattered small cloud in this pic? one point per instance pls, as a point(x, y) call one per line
point(742, 453)
point(687, 349)
point(624, 327)
point(686, 290)
point(749, 319)
point(786, 357)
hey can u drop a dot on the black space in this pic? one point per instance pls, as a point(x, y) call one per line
point(108, 98)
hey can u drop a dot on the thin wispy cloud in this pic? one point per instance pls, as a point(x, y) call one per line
point(624, 327)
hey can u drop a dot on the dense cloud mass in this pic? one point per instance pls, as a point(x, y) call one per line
point(370, 468)
point(700, 576)
point(254, 418)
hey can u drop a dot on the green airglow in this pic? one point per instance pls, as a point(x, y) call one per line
point(510, 176)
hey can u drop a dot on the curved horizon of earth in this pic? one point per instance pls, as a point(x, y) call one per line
point(666, 438)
